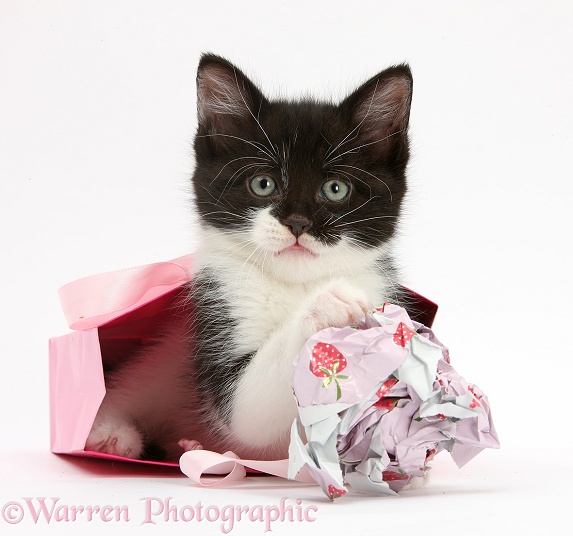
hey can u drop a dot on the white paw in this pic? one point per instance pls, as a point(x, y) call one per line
point(115, 437)
point(336, 305)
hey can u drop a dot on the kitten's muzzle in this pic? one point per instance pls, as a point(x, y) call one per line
point(297, 224)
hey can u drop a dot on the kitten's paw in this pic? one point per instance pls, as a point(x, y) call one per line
point(115, 437)
point(190, 444)
point(337, 305)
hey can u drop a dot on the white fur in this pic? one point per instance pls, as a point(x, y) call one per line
point(281, 299)
point(278, 299)
point(269, 287)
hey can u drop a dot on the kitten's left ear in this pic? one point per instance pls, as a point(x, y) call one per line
point(379, 110)
point(226, 98)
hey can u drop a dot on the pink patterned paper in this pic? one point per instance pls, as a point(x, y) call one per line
point(377, 402)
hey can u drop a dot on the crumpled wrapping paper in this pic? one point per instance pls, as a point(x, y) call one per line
point(377, 402)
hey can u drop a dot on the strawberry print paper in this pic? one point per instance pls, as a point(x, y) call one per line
point(326, 362)
point(398, 403)
point(403, 334)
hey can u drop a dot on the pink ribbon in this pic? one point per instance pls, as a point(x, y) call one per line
point(196, 463)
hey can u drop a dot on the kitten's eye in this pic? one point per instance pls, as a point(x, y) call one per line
point(263, 186)
point(335, 190)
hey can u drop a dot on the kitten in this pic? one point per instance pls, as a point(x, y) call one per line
point(298, 204)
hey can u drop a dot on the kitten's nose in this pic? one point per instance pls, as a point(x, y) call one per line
point(297, 224)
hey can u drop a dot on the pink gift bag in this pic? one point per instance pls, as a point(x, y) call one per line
point(113, 315)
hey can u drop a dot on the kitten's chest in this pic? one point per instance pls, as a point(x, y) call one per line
point(260, 307)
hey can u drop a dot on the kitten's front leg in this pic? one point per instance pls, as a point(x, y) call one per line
point(337, 304)
point(144, 399)
point(264, 406)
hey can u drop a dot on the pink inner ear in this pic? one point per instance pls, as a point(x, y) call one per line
point(219, 92)
point(385, 109)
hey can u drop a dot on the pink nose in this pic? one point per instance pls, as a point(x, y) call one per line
point(297, 224)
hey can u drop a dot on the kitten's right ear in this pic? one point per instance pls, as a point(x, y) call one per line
point(226, 98)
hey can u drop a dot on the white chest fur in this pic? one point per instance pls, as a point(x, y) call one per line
point(276, 308)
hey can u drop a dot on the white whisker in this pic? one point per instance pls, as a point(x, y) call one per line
point(339, 173)
point(255, 118)
point(234, 160)
point(237, 174)
point(357, 149)
point(367, 173)
point(363, 220)
point(356, 128)
point(355, 209)
point(255, 144)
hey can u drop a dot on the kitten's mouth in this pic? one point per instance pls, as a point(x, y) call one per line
point(296, 250)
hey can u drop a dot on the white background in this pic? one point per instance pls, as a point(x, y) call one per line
point(97, 115)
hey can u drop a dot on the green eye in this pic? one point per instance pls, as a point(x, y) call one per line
point(335, 190)
point(263, 186)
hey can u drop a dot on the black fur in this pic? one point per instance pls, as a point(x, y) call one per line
point(303, 136)
point(216, 378)
point(300, 145)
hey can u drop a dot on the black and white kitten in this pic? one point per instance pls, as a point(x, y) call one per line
point(298, 204)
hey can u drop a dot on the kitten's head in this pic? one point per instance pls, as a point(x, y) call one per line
point(305, 189)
